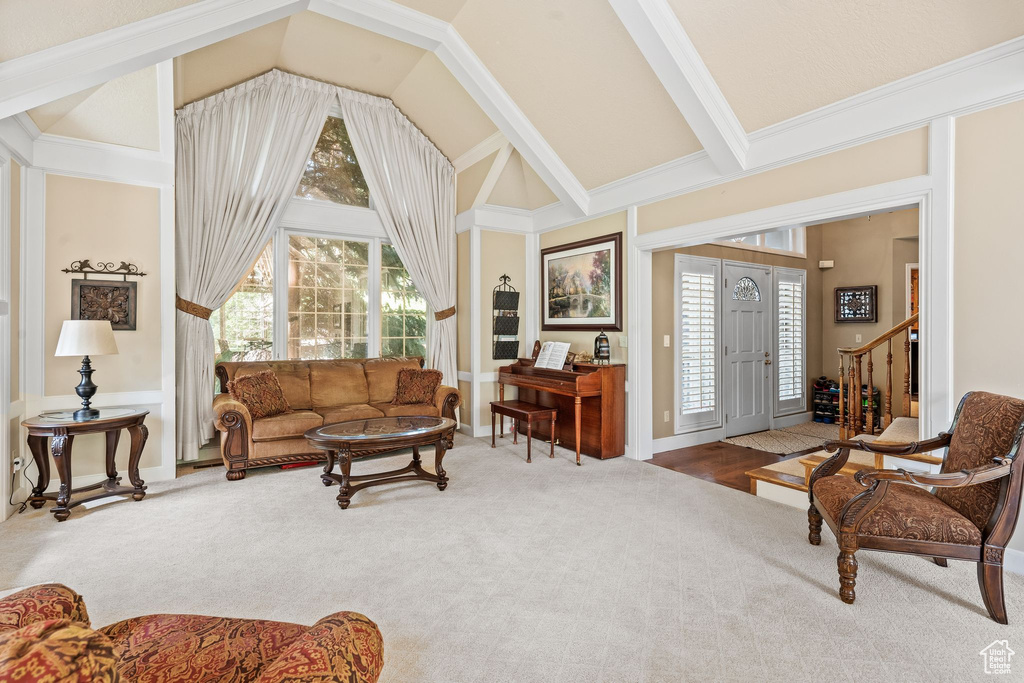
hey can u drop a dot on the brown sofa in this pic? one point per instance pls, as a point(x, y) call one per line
point(319, 392)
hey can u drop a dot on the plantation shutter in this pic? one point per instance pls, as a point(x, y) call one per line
point(790, 342)
point(698, 286)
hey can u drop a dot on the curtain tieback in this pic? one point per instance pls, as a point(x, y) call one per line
point(446, 313)
point(192, 308)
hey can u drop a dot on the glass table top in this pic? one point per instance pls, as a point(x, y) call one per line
point(384, 426)
point(59, 416)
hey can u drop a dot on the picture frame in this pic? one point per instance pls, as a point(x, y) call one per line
point(581, 285)
point(856, 304)
point(113, 300)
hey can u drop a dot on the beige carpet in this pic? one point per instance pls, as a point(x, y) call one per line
point(788, 440)
point(614, 571)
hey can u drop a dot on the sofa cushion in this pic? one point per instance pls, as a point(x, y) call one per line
point(57, 650)
point(293, 376)
point(337, 383)
point(285, 426)
point(360, 411)
point(408, 409)
point(906, 512)
point(260, 393)
point(416, 386)
point(197, 648)
point(44, 602)
point(382, 376)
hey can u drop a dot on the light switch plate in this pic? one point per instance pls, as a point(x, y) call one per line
point(668, 416)
point(668, 341)
point(857, 338)
point(622, 341)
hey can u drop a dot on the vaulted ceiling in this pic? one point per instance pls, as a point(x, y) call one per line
point(572, 67)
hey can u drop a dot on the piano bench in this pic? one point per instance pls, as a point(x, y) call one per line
point(523, 411)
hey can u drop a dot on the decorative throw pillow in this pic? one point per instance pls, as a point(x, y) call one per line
point(261, 393)
point(416, 386)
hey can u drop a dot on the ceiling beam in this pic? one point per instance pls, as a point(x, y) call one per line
point(48, 75)
point(480, 151)
point(491, 179)
point(656, 30)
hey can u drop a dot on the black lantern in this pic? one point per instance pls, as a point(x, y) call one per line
point(602, 349)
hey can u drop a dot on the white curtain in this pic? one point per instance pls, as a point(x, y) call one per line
point(240, 155)
point(413, 190)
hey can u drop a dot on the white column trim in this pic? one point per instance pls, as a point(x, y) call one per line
point(34, 284)
point(656, 30)
point(474, 326)
point(6, 367)
point(639, 400)
point(937, 276)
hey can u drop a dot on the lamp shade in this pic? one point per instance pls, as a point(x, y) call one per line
point(86, 338)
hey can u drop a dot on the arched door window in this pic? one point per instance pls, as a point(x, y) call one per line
point(746, 290)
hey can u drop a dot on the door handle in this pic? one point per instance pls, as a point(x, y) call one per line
point(767, 362)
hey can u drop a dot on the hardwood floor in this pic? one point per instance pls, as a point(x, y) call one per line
point(721, 463)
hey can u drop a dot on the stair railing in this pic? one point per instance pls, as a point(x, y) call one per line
point(854, 416)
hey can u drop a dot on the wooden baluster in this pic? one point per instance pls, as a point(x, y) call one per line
point(906, 375)
point(842, 404)
point(887, 419)
point(858, 396)
point(851, 409)
point(870, 421)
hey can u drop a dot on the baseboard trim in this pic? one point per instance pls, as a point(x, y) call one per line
point(671, 443)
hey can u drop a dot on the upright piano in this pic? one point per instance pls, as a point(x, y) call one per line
point(591, 403)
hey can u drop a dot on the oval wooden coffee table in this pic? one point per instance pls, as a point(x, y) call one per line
point(345, 441)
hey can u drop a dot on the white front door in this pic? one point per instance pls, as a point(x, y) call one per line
point(746, 309)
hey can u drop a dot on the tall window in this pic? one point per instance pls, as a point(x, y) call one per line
point(332, 172)
point(403, 310)
point(328, 292)
point(790, 336)
point(243, 327)
point(697, 297)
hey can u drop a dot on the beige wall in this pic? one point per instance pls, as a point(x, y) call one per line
point(501, 253)
point(464, 321)
point(987, 252)
point(893, 158)
point(112, 222)
point(663, 318)
point(869, 251)
point(584, 341)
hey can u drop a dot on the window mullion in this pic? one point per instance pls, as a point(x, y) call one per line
point(373, 313)
point(280, 325)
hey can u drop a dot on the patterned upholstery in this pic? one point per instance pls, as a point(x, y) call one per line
point(45, 638)
point(985, 430)
point(416, 386)
point(197, 648)
point(260, 393)
point(342, 647)
point(906, 512)
point(40, 603)
point(57, 651)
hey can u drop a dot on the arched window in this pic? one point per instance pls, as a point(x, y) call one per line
point(746, 290)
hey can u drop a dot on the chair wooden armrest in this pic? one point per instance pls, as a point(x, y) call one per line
point(968, 477)
point(940, 441)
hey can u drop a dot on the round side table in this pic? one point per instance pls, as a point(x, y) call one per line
point(62, 428)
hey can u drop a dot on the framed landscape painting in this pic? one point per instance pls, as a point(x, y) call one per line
point(581, 285)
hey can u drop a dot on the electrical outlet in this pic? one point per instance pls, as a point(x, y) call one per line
point(622, 341)
point(16, 461)
point(668, 416)
point(857, 338)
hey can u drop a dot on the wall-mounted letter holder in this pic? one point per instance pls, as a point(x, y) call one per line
point(506, 320)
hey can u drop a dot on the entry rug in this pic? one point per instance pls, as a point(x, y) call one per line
point(789, 440)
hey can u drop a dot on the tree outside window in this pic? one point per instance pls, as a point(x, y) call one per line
point(332, 172)
point(403, 309)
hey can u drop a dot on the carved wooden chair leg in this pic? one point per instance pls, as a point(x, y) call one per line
point(941, 561)
point(814, 522)
point(990, 578)
point(847, 570)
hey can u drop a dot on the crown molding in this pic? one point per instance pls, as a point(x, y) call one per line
point(496, 219)
point(18, 133)
point(102, 161)
point(386, 18)
point(480, 151)
point(50, 74)
point(656, 30)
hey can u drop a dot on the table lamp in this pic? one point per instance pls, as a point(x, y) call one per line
point(86, 338)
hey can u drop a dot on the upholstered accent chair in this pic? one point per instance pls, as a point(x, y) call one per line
point(970, 515)
point(46, 637)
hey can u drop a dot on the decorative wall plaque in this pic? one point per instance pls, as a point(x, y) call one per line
point(857, 304)
point(111, 300)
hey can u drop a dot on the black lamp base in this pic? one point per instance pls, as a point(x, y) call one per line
point(86, 390)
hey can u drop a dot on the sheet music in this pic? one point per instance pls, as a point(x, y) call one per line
point(552, 355)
